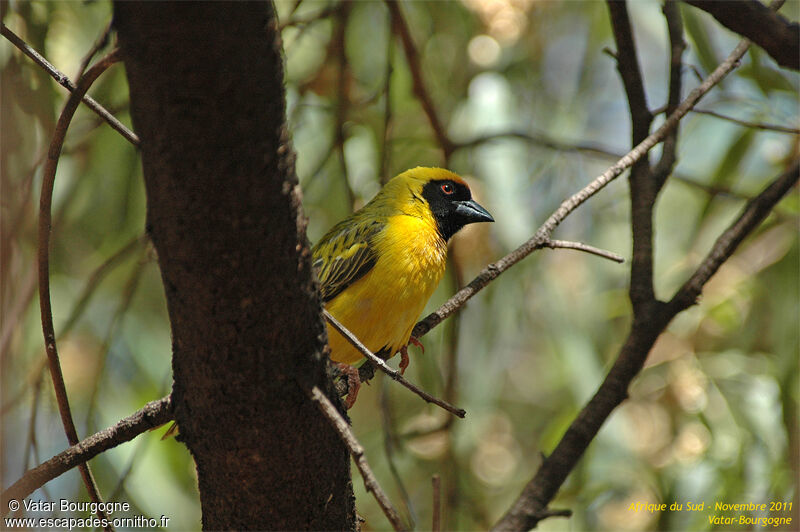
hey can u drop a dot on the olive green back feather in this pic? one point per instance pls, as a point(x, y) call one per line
point(345, 254)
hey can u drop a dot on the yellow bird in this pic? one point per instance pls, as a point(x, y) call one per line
point(378, 267)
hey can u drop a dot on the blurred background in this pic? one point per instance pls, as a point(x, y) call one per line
point(532, 101)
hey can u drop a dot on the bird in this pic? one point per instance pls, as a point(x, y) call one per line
point(378, 267)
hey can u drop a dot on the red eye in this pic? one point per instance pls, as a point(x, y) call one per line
point(447, 188)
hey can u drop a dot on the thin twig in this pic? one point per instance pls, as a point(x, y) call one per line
point(649, 321)
point(566, 244)
point(98, 45)
point(25, 290)
point(531, 505)
point(29, 283)
point(152, 415)
point(339, 48)
point(45, 219)
point(394, 374)
point(313, 174)
point(436, 482)
point(747, 123)
point(96, 277)
point(88, 291)
point(389, 443)
point(385, 154)
point(119, 490)
point(65, 82)
point(753, 214)
point(545, 141)
point(32, 444)
point(357, 452)
point(128, 291)
point(492, 271)
point(711, 190)
point(538, 139)
point(400, 27)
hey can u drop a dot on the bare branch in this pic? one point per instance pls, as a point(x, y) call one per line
point(98, 45)
point(152, 415)
point(650, 319)
point(642, 185)
point(394, 374)
point(357, 452)
point(389, 443)
point(400, 27)
point(748, 123)
point(96, 277)
point(65, 82)
point(533, 500)
point(538, 139)
point(566, 244)
point(385, 153)
point(752, 19)
point(337, 47)
point(628, 67)
point(492, 271)
point(436, 482)
point(45, 219)
point(128, 291)
point(753, 214)
point(669, 155)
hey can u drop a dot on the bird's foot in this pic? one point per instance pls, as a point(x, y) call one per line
point(404, 359)
point(404, 353)
point(413, 340)
point(353, 383)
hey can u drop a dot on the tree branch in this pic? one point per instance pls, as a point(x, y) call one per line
point(338, 48)
point(357, 452)
point(436, 484)
point(152, 415)
point(666, 163)
point(753, 214)
point(580, 246)
point(235, 263)
point(642, 186)
point(628, 67)
point(747, 123)
point(752, 19)
point(650, 319)
point(492, 271)
point(538, 139)
point(45, 220)
point(528, 508)
point(65, 82)
point(394, 374)
point(389, 444)
point(400, 27)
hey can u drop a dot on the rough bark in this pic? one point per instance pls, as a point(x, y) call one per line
point(224, 214)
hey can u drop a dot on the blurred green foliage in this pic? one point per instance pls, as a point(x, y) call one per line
point(711, 418)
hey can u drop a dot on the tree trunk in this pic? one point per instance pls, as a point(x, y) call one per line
point(224, 214)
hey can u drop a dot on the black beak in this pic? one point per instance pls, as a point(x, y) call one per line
point(470, 212)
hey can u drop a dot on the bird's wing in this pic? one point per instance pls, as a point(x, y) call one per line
point(344, 256)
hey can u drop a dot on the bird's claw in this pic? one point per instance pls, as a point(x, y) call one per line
point(353, 383)
point(404, 359)
point(417, 343)
point(404, 353)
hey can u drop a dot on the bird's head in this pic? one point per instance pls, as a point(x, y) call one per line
point(441, 195)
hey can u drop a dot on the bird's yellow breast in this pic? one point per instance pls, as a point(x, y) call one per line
point(382, 307)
